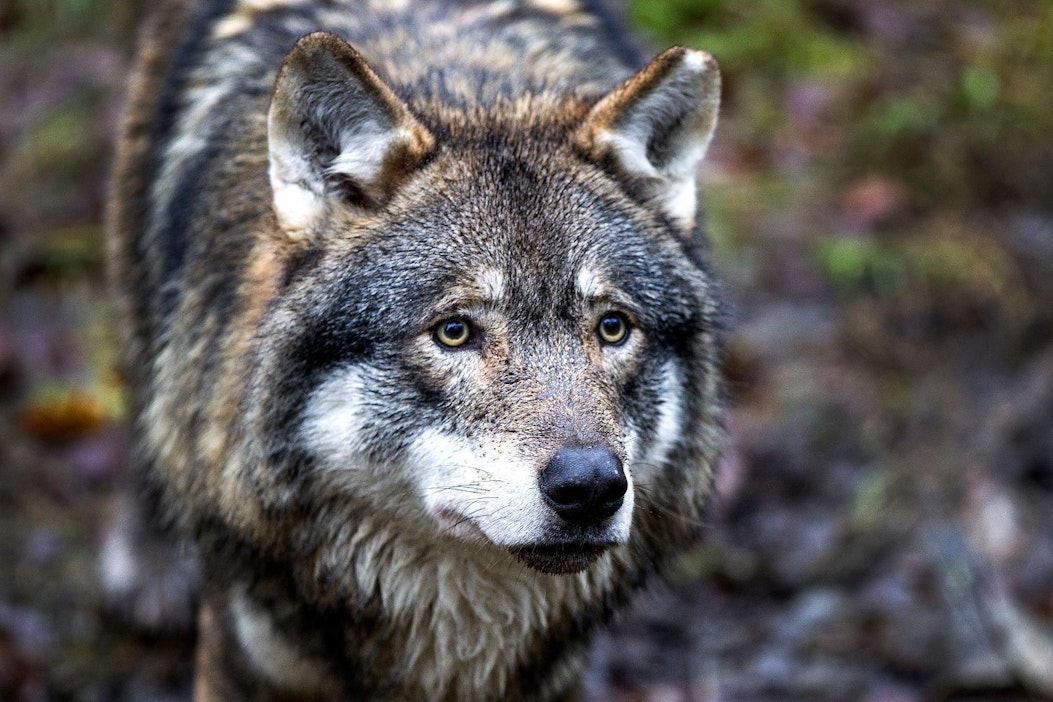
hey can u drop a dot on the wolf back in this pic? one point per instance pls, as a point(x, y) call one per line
point(420, 337)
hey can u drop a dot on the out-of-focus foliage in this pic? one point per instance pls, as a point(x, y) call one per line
point(950, 97)
point(61, 64)
point(29, 26)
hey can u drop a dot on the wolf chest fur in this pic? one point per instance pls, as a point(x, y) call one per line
point(420, 338)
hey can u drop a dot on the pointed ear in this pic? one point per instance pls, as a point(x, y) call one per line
point(656, 127)
point(336, 132)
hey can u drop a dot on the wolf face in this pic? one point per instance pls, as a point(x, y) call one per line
point(500, 359)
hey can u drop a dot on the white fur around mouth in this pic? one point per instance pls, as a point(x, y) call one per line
point(462, 526)
point(562, 558)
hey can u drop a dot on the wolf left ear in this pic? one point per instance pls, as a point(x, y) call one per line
point(656, 128)
point(336, 132)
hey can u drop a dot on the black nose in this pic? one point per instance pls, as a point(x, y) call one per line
point(584, 485)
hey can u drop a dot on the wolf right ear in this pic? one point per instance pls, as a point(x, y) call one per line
point(335, 131)
point(656, 127)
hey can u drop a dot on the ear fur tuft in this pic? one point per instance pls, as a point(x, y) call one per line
point(656, 128)
point(336, 132)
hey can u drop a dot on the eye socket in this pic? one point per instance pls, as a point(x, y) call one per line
point(613, 328)
point(453, 332)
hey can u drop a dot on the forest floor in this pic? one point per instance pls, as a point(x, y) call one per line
point(879, 199)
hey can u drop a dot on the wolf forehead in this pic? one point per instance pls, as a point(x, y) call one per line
point(532, 245)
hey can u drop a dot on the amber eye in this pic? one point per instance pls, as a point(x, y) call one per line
point(453, 332)
point(613, 328)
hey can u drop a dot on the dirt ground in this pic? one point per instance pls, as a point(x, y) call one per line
point(880, 203)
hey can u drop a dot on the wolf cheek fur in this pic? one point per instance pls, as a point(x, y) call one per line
point(422, 345)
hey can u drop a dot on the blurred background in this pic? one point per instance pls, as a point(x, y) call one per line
point(879, 199)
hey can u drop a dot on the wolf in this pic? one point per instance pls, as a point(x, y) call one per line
point(421, 340)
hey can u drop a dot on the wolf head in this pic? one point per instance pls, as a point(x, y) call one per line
point(494, 326)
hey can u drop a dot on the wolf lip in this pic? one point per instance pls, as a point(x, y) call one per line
point(560, 559)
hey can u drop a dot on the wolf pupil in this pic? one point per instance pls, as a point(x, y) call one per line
point(613, 328)
point(453, 332)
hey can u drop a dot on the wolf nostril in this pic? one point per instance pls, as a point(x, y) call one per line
point(584, 486)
